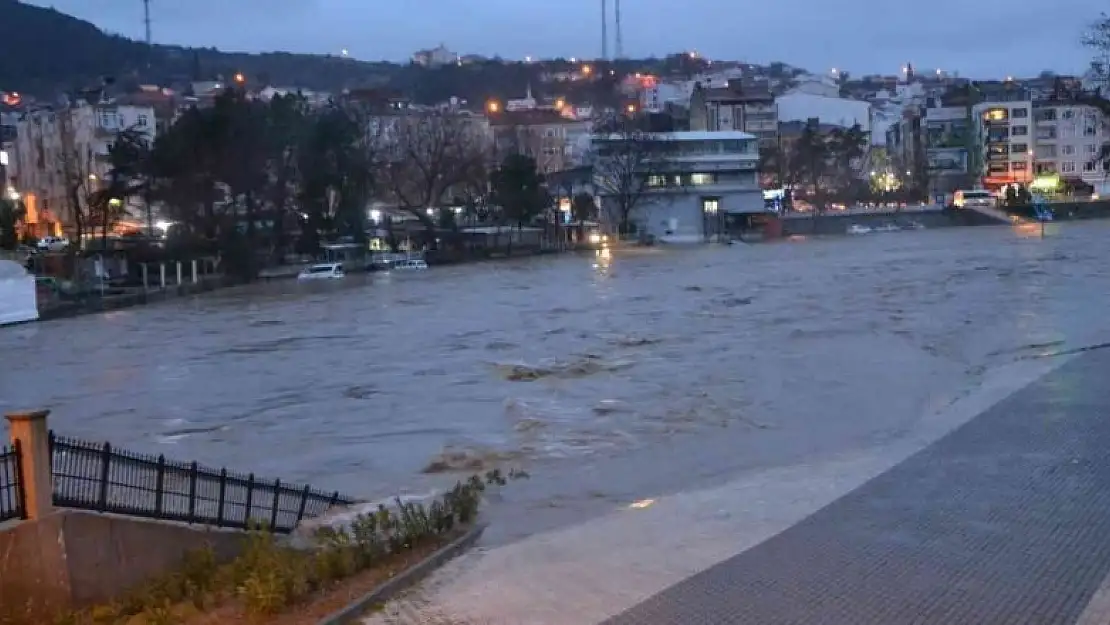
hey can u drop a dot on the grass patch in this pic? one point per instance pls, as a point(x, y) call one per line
point(274, 582)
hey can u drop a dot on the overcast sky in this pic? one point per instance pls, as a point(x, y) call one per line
point(977, 38)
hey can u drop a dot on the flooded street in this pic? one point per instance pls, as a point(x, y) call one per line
point(607, 378)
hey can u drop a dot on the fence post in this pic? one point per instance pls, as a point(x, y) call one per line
point(220, 498)
point(105, 476)
point(29, 432)
point(277, 501)
point(247, 509)
point(304, 503)
point(193, 469)
point(159, 484)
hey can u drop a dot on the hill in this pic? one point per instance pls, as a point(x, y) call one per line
point(48, 52)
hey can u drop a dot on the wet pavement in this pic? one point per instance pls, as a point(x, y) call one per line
point(608, 378)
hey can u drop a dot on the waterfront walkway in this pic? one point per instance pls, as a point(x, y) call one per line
point(994, 512)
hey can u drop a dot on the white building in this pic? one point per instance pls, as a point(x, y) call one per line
point(435, 57)
point(703, 185)
point(1005, 132)
point(57, 150)
point(1067, 140)
point(836, 111)
point(654, 99)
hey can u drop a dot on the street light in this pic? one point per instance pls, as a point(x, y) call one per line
point(240, 78)
point(493, 106)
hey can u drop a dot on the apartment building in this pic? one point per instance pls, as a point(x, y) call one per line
point(57, 149)
point(556, 142)
point(1068, 137)
point(735, 109)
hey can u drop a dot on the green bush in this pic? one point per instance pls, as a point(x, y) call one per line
point(269, 576)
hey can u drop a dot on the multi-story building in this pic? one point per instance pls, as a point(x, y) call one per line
point(735, 109)
point(8, 171)
point(1068, 138)
point(435, 57)
point(1004, 142)
point(702, 185)
point(60, 150)
point(554, 140)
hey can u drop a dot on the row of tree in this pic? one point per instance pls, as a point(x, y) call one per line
point(252, 179)
point(822, 166)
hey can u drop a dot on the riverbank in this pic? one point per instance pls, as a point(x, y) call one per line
point(137, 296)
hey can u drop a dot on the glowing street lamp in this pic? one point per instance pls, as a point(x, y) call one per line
point(493, 106)
point(240, 78)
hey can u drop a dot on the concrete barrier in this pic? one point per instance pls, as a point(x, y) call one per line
point(71, 559)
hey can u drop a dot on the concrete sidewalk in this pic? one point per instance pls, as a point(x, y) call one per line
point(1001, 521)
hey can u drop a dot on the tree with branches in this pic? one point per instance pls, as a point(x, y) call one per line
point(431, 157)
point(627, 162)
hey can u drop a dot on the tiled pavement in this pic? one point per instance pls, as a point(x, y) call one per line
point(1004, 521)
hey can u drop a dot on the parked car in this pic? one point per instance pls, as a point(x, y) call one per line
point(53, 244)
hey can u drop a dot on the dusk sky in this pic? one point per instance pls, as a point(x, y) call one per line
point(982, 38)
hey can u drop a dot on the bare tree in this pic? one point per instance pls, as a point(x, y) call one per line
point(74, 165)
point(628, 162)
point(431, 157)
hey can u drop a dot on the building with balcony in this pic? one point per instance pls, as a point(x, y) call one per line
point(688, 186)
point(58, 150)
point(1068, 138)
point(732, 108)
point(555, 141)
point(1004, 142)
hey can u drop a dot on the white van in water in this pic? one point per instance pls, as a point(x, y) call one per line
point(977, 197)
point(323, 271)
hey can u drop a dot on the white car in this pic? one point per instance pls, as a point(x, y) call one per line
point(53, 244)
point(323, 271)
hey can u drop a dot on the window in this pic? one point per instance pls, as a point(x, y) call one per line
point(1020, 166)
point(710, 205)
point(1020, 131)
point(1019, 112)
point(1067, 132)
point(996, 115)
point(142, 121)
point(1067, 149)
point(1067, 167)
point(1019, 148)
point(1047, 133)
point(1068, 114)
point(1046, 151)
point(1046, 115)
point(1089, 166)
point(657, 181)
point(1092, 148)
point(698, 179)
point(1090, 131)
point(998, 168)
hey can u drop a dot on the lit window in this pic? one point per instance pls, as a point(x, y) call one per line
point(698, 179)
point(710, 206)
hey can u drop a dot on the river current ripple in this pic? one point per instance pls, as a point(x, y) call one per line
point(662, 367)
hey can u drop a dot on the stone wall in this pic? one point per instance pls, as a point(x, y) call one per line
point(838, 224)
point(71, 559)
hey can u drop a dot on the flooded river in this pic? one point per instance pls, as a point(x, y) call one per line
point(608, 378)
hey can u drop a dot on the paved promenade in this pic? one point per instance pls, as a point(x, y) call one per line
point(994, 511)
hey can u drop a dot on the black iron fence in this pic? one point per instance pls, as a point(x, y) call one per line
point(99, 477)
point(11, 483)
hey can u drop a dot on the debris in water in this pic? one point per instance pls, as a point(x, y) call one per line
point(610, 406)
point(588, 364)
point(453, 460)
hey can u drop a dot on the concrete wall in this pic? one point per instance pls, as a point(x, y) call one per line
point(72, 559)
point(838, 224)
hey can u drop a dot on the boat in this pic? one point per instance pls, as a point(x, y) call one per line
point(410, 265)
point(858, 229)
point(322, 271)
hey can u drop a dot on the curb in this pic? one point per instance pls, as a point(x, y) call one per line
point(406, 578)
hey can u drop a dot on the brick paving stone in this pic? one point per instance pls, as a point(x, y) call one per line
point(1006, 520)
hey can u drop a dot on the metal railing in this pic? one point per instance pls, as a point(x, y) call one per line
point(11, 483)
point(99, 477)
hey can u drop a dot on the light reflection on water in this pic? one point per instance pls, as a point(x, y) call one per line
point(778, 350)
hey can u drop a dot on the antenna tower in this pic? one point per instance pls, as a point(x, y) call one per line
point(604, 29)
point(620, 41)
point(146, 21)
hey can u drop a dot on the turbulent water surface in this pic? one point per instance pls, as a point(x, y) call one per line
point(608, 378)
